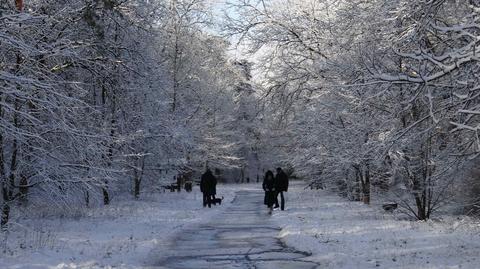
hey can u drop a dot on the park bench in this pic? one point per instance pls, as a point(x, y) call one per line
point(172, 187)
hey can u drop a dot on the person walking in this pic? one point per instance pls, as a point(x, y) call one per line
point(268, 186)
point(281, 185)
point(208, 186)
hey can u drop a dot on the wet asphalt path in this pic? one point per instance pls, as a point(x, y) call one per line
point(242, 237)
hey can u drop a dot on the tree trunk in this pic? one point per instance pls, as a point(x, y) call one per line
point(421, 214)
point(87, 198)
point(358, 182)
point(136, 184)
point(136, 191)
point(366, 185)
point(3, 179)
point(5, 214)
point(23, 189)
point(175, 75)
point(176, 55)
point(424, 197)
point(13, 160)
point(243, 174)
point(138, 175)
point(106, 197)
point(179, 182)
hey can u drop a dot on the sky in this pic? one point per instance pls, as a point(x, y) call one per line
point(221, 5)
point(219, 9)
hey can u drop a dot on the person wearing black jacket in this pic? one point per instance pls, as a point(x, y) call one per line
point(208, 186)
point(268, 186)
point(281, 185)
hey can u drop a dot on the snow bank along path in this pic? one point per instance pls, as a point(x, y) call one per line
point(125, 234)
point(344, 234)
point(243, 236)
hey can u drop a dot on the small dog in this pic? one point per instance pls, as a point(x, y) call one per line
point(216, 201)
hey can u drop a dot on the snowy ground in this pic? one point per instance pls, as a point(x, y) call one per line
point(344, 234)
point(338, 233)
point(126, 234)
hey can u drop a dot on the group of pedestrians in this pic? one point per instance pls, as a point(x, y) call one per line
point(274, 186)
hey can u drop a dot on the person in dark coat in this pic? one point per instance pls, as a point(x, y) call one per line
point(208, 186)
point(281, 185)
point(268, 186)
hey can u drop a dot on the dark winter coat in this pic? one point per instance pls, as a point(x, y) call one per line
point(268, 186)
point(208, 183)
point(281, 181)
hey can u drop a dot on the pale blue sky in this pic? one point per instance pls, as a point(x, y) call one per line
point(220, 6)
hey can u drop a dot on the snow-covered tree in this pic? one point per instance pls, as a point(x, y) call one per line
point(365, 89)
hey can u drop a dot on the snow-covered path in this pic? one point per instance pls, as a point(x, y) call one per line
point(243, 236)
